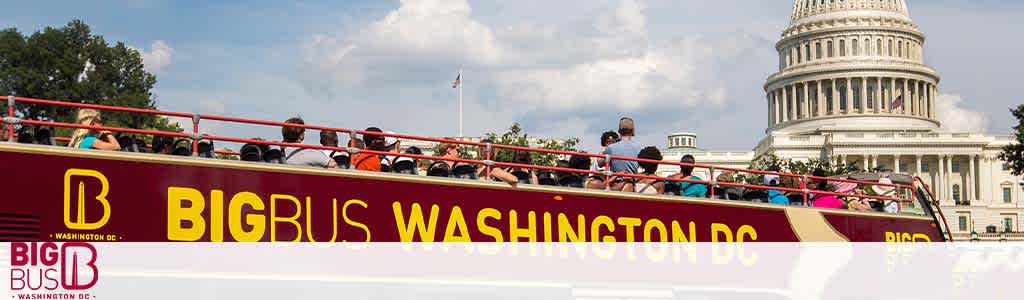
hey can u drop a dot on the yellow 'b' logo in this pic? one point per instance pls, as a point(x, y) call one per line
point(80, 222)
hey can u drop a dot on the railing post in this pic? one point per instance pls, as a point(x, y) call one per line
point(803, 188)
point(487, 160)
point(712, 181)
point(195, 134)
point(608, 171)
point(10, 114)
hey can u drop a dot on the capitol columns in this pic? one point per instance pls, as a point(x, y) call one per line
point(863, 95)
point(940, 189)
point(835, 98)
point(878, 96)
point(917, 161)
point(972, 179)
point(849, 96)
point(896, 163)
point(820, 98)
point(785, 104)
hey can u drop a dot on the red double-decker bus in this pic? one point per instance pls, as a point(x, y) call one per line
point(62, 194)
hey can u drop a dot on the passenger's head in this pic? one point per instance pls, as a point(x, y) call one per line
point(446, 149)
point(162, 144)
point(727, 176)
point(329, 138)
point(374, 142)
point(291, 134)
point(85, 117)
point(626, 127)
point(820, 184)
point(579, 162)
point(687, 159)
point(651, 153)
point(481, 151)
point(608, 138)
point(523, 157)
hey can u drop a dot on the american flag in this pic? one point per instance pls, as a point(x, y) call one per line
point(898, 103)
point(458, 81)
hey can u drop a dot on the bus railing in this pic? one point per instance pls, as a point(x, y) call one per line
point(489, 148)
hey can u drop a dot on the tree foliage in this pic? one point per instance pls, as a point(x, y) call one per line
point(72, 64)
point(773, 163)
point(1013, 154)
point(515, 136)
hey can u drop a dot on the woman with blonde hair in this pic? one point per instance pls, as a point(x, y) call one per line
point(91, 138)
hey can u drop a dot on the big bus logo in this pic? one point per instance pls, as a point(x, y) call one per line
point(49, 266)
point(75, 185)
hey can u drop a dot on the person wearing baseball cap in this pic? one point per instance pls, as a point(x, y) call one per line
point(624, 147)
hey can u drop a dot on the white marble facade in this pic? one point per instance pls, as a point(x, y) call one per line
point(852, 86)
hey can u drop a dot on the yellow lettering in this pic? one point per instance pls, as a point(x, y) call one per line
point(178, 212)
point(257, 221)
point(309, 220)
point(274, 219)
point(216, 216)
point(678, 236)
point(630, 224)
point(566, 233)
point(514, 232)
point(717, 228)
point(407, 231)
point(655, 224)
point(745, 232)
point(547, 227)
point(922, 237)
point(481, 223)
point(595, 229)
point(890, 237)
point(349, 221)
point(456, 222)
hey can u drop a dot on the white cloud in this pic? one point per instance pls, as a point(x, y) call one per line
point(609, 64)
point(158, 57)
point(956, 118)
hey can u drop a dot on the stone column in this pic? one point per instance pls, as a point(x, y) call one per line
point(896, 163)
point(920, 98)
point(771, 110)
point(892, 95)
point(917, 161)
point(948, 176)
point(878, 95)
point(820, 99)
point(970, 180)
point(911, 97)
point(849, 96)
point(867, 164)
point(934, 93)
point(807, 100)
point(785, 104)
point(863, 95)
point(835, 98)
point(796, 102)
point(940, 188)
point(906, 98)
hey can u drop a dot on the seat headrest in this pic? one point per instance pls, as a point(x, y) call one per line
point(439, 169)
point(251, 152)
point(274, 156)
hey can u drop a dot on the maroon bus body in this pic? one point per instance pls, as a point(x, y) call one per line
point(50, 195)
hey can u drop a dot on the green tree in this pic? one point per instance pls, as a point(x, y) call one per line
point(1013, 154)
point(515, 136)
point(72, 64)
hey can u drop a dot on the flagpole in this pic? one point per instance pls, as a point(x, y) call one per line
point(461, 82)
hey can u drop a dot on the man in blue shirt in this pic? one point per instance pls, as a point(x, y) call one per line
point(624, 147)
point(687, 189)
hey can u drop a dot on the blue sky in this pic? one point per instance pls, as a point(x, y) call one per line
point(569, 68)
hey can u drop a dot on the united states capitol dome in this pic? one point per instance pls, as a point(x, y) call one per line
point(851, 64)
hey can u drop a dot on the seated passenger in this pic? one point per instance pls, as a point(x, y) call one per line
point(302, 156)
point(91, 138)
point(687, 189)
point(728, 192)
point(821, 200)
point(329, 139)
point(452, 151)
point(649, 186)
point(569, 179)
point(887, 190)
point(524, 175)
point(625, 147)
point(163, 145)
point(408, 165)
point(775, 196)
point(369, 161)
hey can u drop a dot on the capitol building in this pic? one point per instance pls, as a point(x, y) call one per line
point(852, 86)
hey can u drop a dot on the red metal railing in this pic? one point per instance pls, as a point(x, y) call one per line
point(196, 136)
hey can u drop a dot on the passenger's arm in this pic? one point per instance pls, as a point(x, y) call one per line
point(502, 175)
point(331, 164)
point(109, 144)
